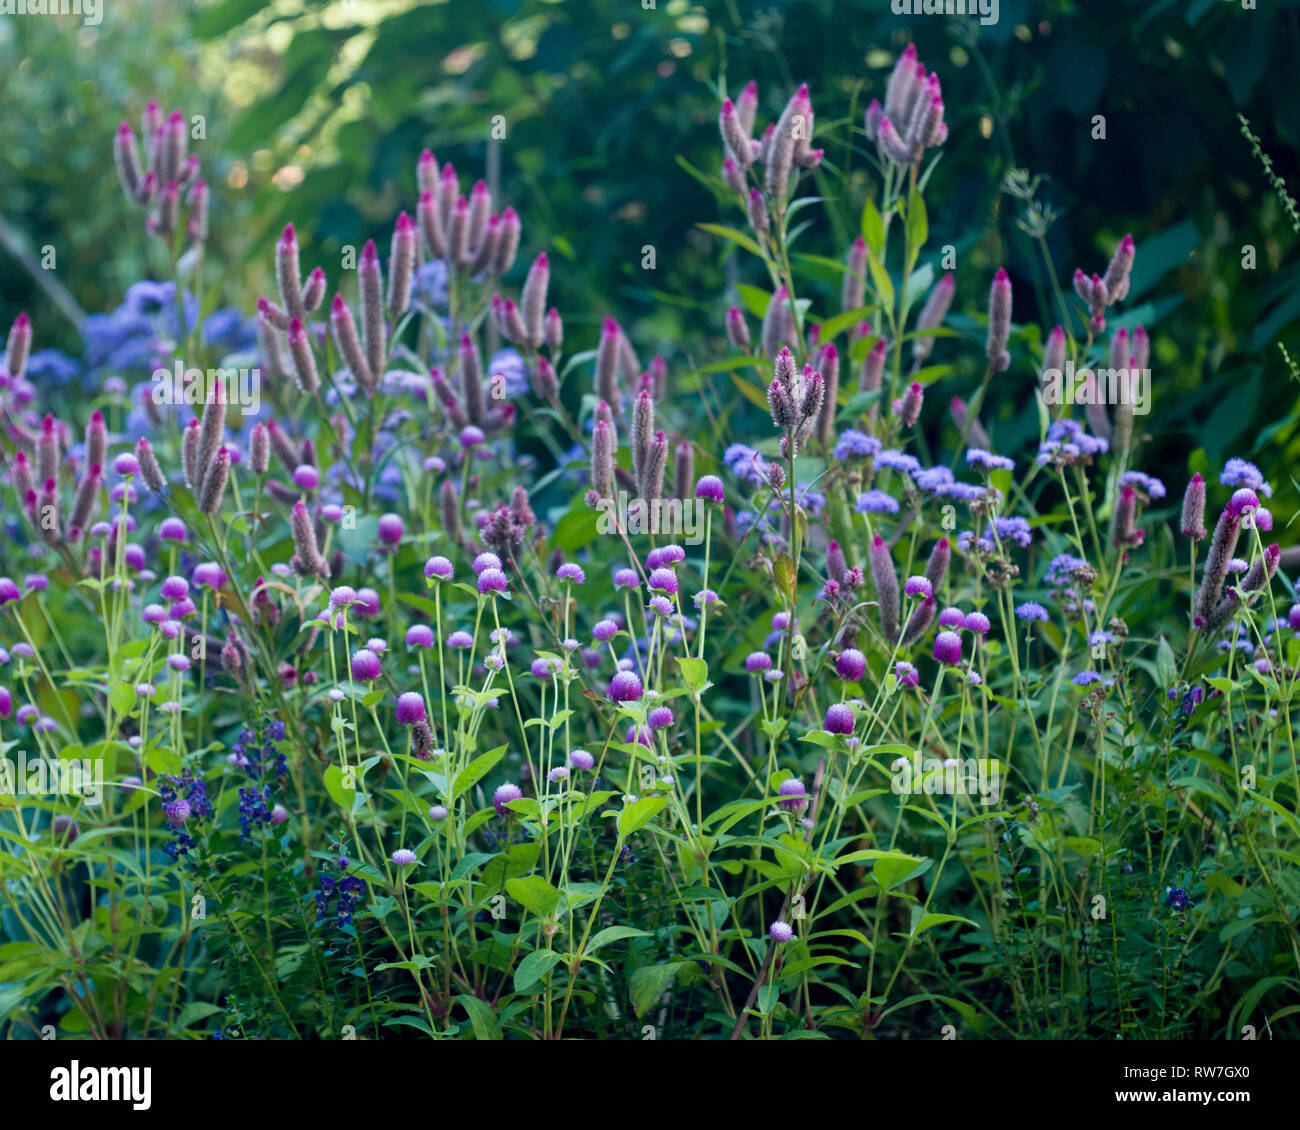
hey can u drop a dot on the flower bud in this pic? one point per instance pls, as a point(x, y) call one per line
point(288, 274)
point(373, 328)
point(737, 330)
point(533, 301)
point(999, 320)
point(932, 315)
point(401, 266)
point(304, 361)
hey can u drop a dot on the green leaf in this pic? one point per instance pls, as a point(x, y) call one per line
point(880, 280)
point(481, 1017)
point(841, 322)
point(339, 794)
point(534, 894)
point(613, 934)
point(918, 224)
point(534, 967)
point(639, 813)
point(1166, 665)
point(873, 228)
point(736, 237)
point(695, 672)
point(477, 769)
point(649, 983)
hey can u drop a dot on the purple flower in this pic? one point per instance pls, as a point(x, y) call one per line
point(390, 529)
point(1242, 500)
point(757, 661)
point(840, 718)
point(581, 759)
point(918, 586)
point(709, 487)
point(795, 794)
point(1153, 488)
point(403, 857)
point(977, 622)
point(780, 932)
point(559, 773)
point(978, 457)
point(177, 812)
point(663, 580)
point(625, 687)
point(410, 707)
point(438, 567)
point(1239, 473)
point(1086, 678)
point(855, 445)
point(876, 502)
point(604, 630)
point(947, 648)
point(851, 664)
point(571, 572)
point(1032, 610)
point(126, 464)
point(486, 561)
point(491, 580)
point(660, 718)
point(625, 579)
point(898, 461)
point(544, 668)
point(365, 665)
point(503, 795)
point(952, 618)
point(208, 574)
point(306, 477)
point(173, 588)
point(460, 639)
point(172, 529)
point(419, 635)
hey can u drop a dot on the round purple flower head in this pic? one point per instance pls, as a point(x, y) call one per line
point(1032, 610)
point(177, 812)
point(672, 555)
point(625, 578)
point(918, 586)
point(419, 635)
point(438, 567)
point(581, 759)
point(709, 487)
point(460, 639)
point(840, 718)
point(208, 574)
point(491, 580)
point(175, 588)
point(625, 687)
point(660, 718)
point(1243, 500)
point(365, 665)
point(572, 572)
point(977, 622)
point(504, 795)
point(126, 464)
point(947, 648)
point(604, 630)
point(410, 709)
point(172, 529)
point(390, 529)
point(757, 661)
point(780, 932)
point(796, 796)
point(403, 857)
point(544, 668)
point(306, 477)
point(486, 561)
point(663, 580)
point(952, 618)
point(1293, 618)
point(851, 665)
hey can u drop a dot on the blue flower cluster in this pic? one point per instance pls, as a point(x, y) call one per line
point(183, 798)
point(347, 889)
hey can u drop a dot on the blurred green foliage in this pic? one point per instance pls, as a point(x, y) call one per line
point(317, 112)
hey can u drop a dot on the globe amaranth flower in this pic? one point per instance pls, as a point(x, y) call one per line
point(709, 487)
point(625, 579)
point(410, 709)
point(503, 795)
point(438, 568)
point(571, 572)
point(840, 718)
point(918, 586)
point(543, 668)
point(625, 686)
point(460, 639)
point(757, 661)
point(604, 630)
point(952, 618)
point(581, 759)
point(419, 635)
point(438, 812)
point(403, 857)
point(794, 795)
point(486, 561)
point(780, 932)
point(660, 718)
point(492, 581)
point(976, 622)
point(663, 580)
point(947, 648)
point(364, 665)
point(851, 664)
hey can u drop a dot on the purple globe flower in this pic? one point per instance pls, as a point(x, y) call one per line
point(491, 580)
point(952, 618)
point(977, 622)
point(410, 709)
point(1243, 500)
point(947, 648)
point(177, 812)
point(840, 718)
point(153, 614)
point(486, 561)
point(208, 574)
point(470, 436)
point(780, 932)
point(438, 812)
point(331, 512)
point(851, 665)
point(390, 529)
point(660, 718)
point(544, 668)
point(559, 773)
point(757, 661)
point(173, 588)
point(419, 635)
point(1032, 610)
point(581, 759)
point(403, 857)
point(918, 586)
point(438, 567)
point(607, 629)
point(625, 687)
point(625, 578)
point(672, 555)
point(663, 580)
point(343, 596)
point(503, 795)
point(709, 487)
point(178, 662)
point(1293, 618)
point(172, 529)
point(795, 794)
point(460, 639)
point(126, 464)
point(365, 665)
point(571, 572)
point(306, 477)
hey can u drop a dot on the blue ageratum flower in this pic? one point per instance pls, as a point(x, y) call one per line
point(429, 286)
point(1153, 487)
point(1240, 473)
point(1032, 610)
point(745, 463)
point(1062, 568)
point(227, 329)
point(930, 479)
point(876, 502)
point(510, 364)
point(855, 445)
point(961, 492)
point(1013, 529)
point(978, 457)
point(898, 461)
point(1087, 678)
point(53, 370)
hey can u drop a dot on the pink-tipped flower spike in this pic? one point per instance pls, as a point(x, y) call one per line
point(656, 466)
point(733, 177)
point(1141, 350)
point(871, 119)
point(901, 80)
point(1222, 547)
point(828, 365)
point(936, 569)
point(344, 328)
point(447, 397)
point(83, 506)
point(545, 383)
point(1119, 349)
point(283, 448)
point(908, 408)
point(150, 472)
point(259, 449)
point(683, 469)
point(935, 310)
point(947, 648)
point(643, 430)
point(1193, 523)
point(782, 391)
point(747, 107)
point(886, 582)
point(837, 568)
point(313, 290)
point(127, 159)
point(148, 189)
point(307, 556)
point(96, 438)
point(553, 330)
point(269, 317)
point(778, 324)
point(163, 222)
point(802, 125)
point(288, 274)
point(510, 232)
point(214, 482)
point(190, 455)
point(448, 191)
point(778, 156)
point(1083, 286)
point(175, 141)
point(995, 348)
point(458, 233)
point(1054, 352)
point(757, 210)
point(1263, 570)
point(196, 230)
point(18, 346)
point(1116, 281)
point(431, 230)
point(873, 367)
point(853, 291)
point(919, 621)
point(737, 330)
point(533, 300)
point(734, 135)
point(1124, 531)
point(602, 459)
point(891, 145)
point(607, 363)
point(211, 426)
point(401, 266)
point(374, 329)
point(305, 375)
point(480, 207)
point(471, 379)
point(426, 172)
